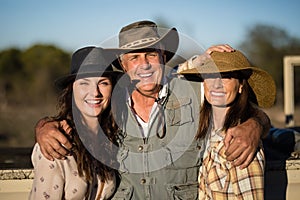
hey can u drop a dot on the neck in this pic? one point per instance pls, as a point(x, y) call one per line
point(92, 124)
point(219, 114)
point(142, 104)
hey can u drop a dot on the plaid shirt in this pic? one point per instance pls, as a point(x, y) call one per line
point(219, 179)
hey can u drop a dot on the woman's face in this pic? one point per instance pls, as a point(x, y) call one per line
point(221, 91)
point(92, 95)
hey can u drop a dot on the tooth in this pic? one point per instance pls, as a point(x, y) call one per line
point(217, 93)
point(145, 75)
point(93, 101)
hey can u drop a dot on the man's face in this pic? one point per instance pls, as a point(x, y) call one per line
point(146, 67)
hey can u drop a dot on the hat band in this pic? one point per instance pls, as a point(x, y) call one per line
point(139, 42)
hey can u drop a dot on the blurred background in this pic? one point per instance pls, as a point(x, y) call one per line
point(38, 37)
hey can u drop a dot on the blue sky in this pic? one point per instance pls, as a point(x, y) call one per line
point(71, 24)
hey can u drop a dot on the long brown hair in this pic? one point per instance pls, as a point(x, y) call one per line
point(240, 111)
point(88, 166)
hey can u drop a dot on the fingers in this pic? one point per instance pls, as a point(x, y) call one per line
point(236, 149)
point(48, 147)
point(228, 138)
point(243, 141)
point(244, 164)
point(46, 154)
point(241, 154)
point(60, 145)
point(53, 143)
point(200, 59)
point(220, 48)
point(59, 153)
point(65, 126)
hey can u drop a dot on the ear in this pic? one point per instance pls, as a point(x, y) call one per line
point(123, 68)
point(240, 88)
point(121, 64)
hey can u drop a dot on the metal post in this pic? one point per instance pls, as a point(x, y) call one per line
point(289, 98)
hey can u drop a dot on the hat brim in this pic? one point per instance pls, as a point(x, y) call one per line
point(169, 41)
point(63, 81)
point(260, 81)
point(263, 85)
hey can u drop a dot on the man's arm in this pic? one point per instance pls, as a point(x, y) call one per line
point(53, 143)
point(199, 59)
point(242, 141)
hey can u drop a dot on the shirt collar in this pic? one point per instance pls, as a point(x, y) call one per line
point(161, 95)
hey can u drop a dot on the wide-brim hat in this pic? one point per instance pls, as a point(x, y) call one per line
point(146, 35)
point(89, 62)
point(260, 81)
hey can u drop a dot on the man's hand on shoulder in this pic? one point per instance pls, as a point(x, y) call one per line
point(53, 143)
point(242, 141)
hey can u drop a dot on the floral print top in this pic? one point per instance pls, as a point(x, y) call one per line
point(59, 179)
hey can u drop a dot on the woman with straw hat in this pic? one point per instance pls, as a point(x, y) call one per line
point(233, 89)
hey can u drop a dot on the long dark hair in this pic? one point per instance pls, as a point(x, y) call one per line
point(240, 111)
point(88, 166)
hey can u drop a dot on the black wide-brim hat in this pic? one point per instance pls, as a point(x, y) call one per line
point(89, 62)
point(146, 35)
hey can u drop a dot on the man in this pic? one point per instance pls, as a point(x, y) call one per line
point(158, 156)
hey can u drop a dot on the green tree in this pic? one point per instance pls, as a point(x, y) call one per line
point(42, 65)
point(266, 46)
point(26, 90)
point(28, 76)
point(11, 71)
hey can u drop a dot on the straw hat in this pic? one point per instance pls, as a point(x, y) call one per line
point(145, 35)
point(88, 62)
point(259, 80)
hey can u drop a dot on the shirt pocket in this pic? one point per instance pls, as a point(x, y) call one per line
point(183, 157)
point(179, 112)
point(187, 191)
point(123, 193)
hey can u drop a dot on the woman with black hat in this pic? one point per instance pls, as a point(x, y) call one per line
point(88, 171)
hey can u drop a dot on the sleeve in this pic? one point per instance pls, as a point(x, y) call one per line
point(188, 64)
point(48, 180)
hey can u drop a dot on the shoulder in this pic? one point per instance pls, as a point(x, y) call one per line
point(181, 83)
point(39, 160)
point(183, 88)
point(38, 156)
